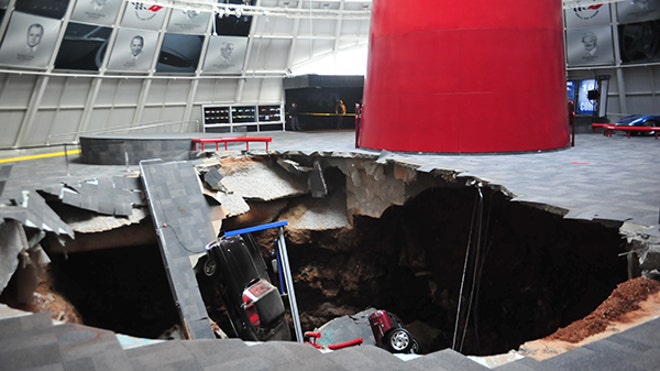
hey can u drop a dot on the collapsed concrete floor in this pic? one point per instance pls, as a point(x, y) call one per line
point(363, 234)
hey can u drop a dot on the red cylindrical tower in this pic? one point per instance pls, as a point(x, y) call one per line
point(474, 76)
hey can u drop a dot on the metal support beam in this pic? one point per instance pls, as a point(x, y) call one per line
point(31, 111)
point(286, 268)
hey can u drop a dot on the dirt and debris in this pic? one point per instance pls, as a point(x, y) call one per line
point(45, 298)
point(236, 164)
point(624, 300)
point(632, 303)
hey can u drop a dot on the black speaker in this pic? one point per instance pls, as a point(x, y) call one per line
point(592, 95)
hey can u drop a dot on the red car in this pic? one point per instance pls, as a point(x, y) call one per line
point(390, 333)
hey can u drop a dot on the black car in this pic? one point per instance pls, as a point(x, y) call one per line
point(254, 305)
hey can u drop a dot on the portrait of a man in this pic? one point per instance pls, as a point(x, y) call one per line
point(191, 13)
point(133, 50)
point(226, 50)
point(589, 47)
point(590, 42)
point(225, 55)
point(136, 46)
point(29, 40)
point(34, 35)
point(98, 4)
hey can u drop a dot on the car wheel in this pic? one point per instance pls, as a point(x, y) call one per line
point(415, 348)
point(210, 267)
point(398, 340)
point(652, 124)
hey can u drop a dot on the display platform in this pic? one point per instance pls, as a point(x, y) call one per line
point(130, 149)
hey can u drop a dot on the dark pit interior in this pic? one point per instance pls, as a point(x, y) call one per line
point(528, 272)
point(122, 289)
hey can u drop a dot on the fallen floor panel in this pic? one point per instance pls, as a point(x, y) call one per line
point(182, 219)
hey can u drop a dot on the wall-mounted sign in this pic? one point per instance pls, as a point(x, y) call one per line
point(47, 8)
point(29, 40)
point(589, 46)
point(587, 15)
point(188, 21)
point(584, 104)
point(225, 55)
point(133, 51)
point(144, 16)
point(101, 12)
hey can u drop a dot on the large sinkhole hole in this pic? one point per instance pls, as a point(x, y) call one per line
point(527, 273)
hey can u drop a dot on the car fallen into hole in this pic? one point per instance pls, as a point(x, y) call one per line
point(254, 304)
point(390, 333)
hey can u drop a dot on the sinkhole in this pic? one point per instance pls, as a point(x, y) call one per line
point(460, 263)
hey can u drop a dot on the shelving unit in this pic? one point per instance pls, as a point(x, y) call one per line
point(216, 115)
point(223, 119)
point(243, 114)
point(270, 113)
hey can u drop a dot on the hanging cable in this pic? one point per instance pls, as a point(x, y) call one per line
point(476, 261)
point(485, 250)
point(465, 267)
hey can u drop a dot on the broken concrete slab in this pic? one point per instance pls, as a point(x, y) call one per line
point(318, 213)
point(105, 195)
point(260, 213)
point(126, 236)
point(212, 178)
point(97, 232)
point(14, 241)
point(32, 211)
point(292, 166)
point(261, 180)
point(233, 204)
point(371, 189)
point(91, 222)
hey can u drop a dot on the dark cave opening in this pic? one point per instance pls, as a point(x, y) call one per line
point(537, 272)
point(122, 289)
